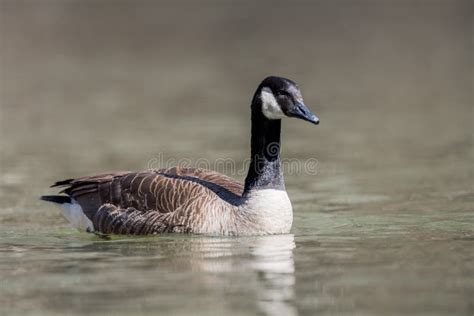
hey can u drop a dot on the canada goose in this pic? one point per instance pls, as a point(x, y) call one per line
point(192, 200)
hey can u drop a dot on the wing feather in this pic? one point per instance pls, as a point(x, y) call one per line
point(149, 201)
point(110, 219)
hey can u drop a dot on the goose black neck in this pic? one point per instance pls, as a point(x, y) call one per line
point(265, 166)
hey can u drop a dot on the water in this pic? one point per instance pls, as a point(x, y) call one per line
point(385, 225)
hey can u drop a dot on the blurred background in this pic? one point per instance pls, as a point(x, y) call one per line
point(385, 226)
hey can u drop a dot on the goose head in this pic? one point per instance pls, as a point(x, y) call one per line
point(277, 98)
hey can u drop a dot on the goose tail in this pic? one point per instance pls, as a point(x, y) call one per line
point(59, 199)
point(72, 211)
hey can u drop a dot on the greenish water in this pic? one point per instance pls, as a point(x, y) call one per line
point(360, 244)
point(385, 226)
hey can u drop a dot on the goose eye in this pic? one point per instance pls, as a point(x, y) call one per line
point(280, 93)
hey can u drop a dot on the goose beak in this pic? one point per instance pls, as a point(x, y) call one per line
point(301, 111)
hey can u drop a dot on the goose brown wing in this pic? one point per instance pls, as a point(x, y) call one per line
point(110, 219)
point(161, 190)
point(207, 175)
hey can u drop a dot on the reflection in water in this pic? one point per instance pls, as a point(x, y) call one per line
point(260, 268)
point(273, 259)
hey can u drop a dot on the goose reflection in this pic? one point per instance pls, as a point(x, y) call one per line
point(253, 273)
point(273, 259)
point(271, 263)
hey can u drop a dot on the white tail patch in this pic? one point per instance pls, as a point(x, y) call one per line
point(75, 215)
point(270, 107)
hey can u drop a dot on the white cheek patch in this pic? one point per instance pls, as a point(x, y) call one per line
point(270, 107)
